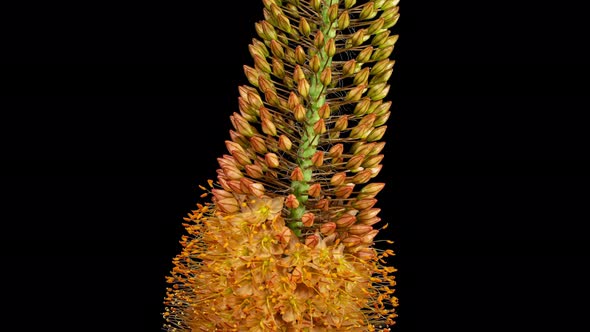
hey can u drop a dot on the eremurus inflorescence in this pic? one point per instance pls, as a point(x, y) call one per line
point(286, 243)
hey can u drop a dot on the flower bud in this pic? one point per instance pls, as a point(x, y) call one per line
point(365, 54)
point(228, 205)
point(382, 53)
point(362, 177)
point(355, 93)
point(372, 161)
point(376, 25)
point(284, 143)
point(369, 11)
point(254, 171)
point(338, 179)
point(364, 203)
point(345, 221)
point(359, 229)
point(304, 27)
point(328, 228)
point(272, 160)
point(326, 76)
point(336, 150)
point(257, 143)
point(351, 241)
point(297, 174)
point(318, 40)
point(368, 214)
point(371, 190)
point(299, 113)
point(376, 134)
point(315, 190)
point(347, 69)
point(307, 219)
point(319, 127)
point(291, 202)
point(369, 237)
point(300, 56)
point(303, 88)
point(358, 37)
point(362, 77)
point(318, 158)
point(314, 63)
point(341, 123)
point(312, 240)
point(343, 20)
point(355, 162)
point(344, 191)
point(268, 127)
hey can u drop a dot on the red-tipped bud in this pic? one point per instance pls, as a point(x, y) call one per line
point(261, 64)
point(341, 123)
point(328, 228)
point(324, 111)
point(258, 144)
point(368, 238)
point(351, 241)
point(276, 49)
point(291, 202)
point(315, 190)
point(336, 150)
point(312, 240)
point(345, 221)
point(338, 179)
point(307, 219)
point(323, 204)
point(299, 113)
point(330, 47)
point(319, 127)
point(254, 171)
point(358, 37)
point(364, 203)
point(359, 229)
point(251, 75)
point(355, 162)
point(297, 174)
point(344, 191)
point(318, 158)
point(362, 177)
point(355, 93)
point(366, 254)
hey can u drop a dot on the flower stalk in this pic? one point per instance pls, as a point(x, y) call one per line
point(287, 241)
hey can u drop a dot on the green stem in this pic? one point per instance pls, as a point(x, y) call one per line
point(309, 139)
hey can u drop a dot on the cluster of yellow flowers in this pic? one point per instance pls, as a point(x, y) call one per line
point(247, 271)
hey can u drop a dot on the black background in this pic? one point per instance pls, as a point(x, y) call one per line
point(111, 114)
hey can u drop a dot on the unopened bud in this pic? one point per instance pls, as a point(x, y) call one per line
point(251, 75)
point(336, 150)
point(368, 214)
point(348, 68)
point(343, 20)
point(272, 160)
point(304, 27)
point(312, 240)
point(324, 111)
point(365, 54)
point(307, 219)
point(345, 221)
point(314, 63)
point(376, 25)
point(228, 205)
point(362, 177)
point(268, 127)
point(258, 144)
point(355, 93)
point(315, 190)
point(326, 76)
point(372, 161)
point(364, 203)
point(254, 171)
point(355, 162)
point(362, 77)
point(297, 174)
point(344, 191)
point(338, 179)
point(284, 143)
point(319, 127)
point(318, 158)
point(303, 88)
point(299, 113)
point(369, 11)
point(260, 63)
point(371, 190)
point(382, 53)
point(359, 229)
point(328, 228)
point(300, 56)
point(341, 123)
point(291, 202)
point(376, 134)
